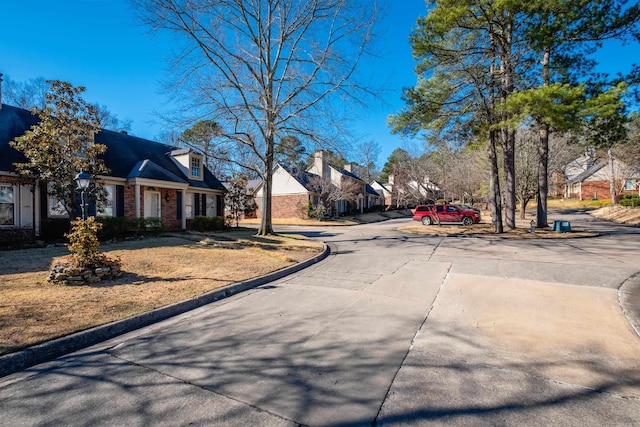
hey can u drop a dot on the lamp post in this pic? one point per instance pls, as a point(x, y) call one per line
point(83, 180)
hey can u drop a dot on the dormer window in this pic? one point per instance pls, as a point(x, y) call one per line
point(196, 168)
point(191, 163)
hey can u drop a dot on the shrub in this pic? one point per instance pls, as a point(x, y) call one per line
point(118, 227)
point(318, 212)
point(84, 244)
point(112, 228)
point(207, 223)
point(630, 202)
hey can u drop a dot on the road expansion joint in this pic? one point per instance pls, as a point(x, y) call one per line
point(208, 390)
point(415, 336)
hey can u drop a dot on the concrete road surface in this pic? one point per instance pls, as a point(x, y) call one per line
point(391, 329)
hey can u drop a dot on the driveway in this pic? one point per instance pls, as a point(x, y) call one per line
point(390, 329)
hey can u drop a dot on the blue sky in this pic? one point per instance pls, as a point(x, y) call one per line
point(97, 44)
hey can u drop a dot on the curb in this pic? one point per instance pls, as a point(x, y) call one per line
point(47, 351)
point(629, 300)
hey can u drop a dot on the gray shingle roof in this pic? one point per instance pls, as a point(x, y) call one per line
point(302, 176)
point(124, 156)
point(13, 123)
point(371, 190)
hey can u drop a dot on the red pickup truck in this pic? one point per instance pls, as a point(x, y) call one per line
point(439, 213)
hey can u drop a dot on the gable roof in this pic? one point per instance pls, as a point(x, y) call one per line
point(301, 176)
point(586, 174)
point(147, 169)
point(127, 156)
point(346, 173)
point(370, 190)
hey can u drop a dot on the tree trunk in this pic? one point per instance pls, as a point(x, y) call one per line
point(508, 147)
point(266, 225)
point(523, 208)
point(494, 185)
point(508, 136)
point(543, 182)
point(543, 154)
point(612, 178)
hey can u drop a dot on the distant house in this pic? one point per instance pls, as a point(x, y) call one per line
point(146, 180)
point(291, 193)
point(366, 197)
point(588, 177)
point(294, 191)
point(385, 191)
point(406, 192)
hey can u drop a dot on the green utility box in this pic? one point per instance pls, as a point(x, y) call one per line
point(561, 226)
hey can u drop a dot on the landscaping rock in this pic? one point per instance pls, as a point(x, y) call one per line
point(66, 274)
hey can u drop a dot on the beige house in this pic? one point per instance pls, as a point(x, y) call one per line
point(588, 177)
point(294, 191)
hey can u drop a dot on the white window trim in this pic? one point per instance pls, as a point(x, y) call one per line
point(15, 204)
point(159, 194)
point(199, 158)
point(112, 200)
point(189, 205)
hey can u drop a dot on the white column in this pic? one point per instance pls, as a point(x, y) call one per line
point(137, 189)
point(37, 209)
point(184, 209)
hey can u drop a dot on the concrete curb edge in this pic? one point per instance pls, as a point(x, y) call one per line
point(629, 301)
point(31, 356)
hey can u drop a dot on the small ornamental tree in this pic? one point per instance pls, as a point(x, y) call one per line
point(62, 144)
point(84, 244)
point(238, 201)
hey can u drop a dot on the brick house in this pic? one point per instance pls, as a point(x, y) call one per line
point(146, 180)
point(291, 194)
point(292, 190)
point(587, 177)
point(385, 190)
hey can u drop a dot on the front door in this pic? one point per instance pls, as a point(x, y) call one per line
point(151, 204)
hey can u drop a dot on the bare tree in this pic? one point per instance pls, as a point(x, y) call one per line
point(330, 192)
point(111, 121)
point(32, 94)
point(27, 95)
point(265, 69)
point(526, 164)
point(367, 156)
point(469, 174)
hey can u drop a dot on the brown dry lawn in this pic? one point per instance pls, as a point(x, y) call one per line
point(158, 272)
point(162, 271)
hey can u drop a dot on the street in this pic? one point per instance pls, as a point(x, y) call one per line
point(391, 329)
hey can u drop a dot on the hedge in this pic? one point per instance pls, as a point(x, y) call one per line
point(207, 223)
